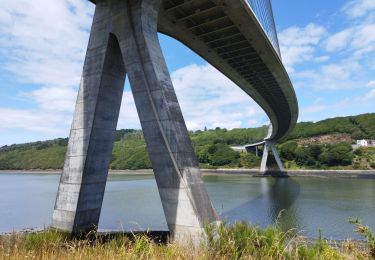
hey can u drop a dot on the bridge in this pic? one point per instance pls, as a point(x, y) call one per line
point(237, 37)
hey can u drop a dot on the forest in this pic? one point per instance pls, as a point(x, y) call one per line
point(326, 144)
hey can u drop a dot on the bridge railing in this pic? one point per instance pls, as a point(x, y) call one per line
point(263, 11)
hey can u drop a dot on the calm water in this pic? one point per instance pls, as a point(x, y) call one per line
point(132, 202)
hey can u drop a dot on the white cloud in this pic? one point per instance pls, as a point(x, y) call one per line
point(208, 98)
point(331, 109)
point(371, 83)
point(128, 117)
point(298, 44)
point(48, 123)
point(358, 8)
point(45, 41)
point(54, 99)
point(339, 40)
point(43, 44)
point(359, 40)
point(313, 109)
point(364, 39)
point(370, 95)
point(321, 59)
point(333, 76)
point(350, 52)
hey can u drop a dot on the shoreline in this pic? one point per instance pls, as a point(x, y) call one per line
point(368, 174)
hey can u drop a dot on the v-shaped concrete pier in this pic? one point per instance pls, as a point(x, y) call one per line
point(124, 35)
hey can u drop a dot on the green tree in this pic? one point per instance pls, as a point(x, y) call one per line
point(202, 153)
point(288, 150)
point(223, 155)
point(338, 154)
point(315, 150)
point(249, 160)
point(304, 157)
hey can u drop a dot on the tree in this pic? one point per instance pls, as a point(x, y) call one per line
point(315, 150)
point(338, 154)
point(223, 155)
point(249, 160)
point(288, 151)
point(202, 153)
point(304, 157)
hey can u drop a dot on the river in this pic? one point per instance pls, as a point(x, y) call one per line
point(308, 204)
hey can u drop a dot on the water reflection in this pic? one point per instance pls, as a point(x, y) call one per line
point(276, 198)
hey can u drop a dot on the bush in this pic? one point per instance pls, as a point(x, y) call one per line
point(249, 160)
point(288, 150)
point(366, 233)
point(304, 157)
point(202, 153)
point(222, 155)
point(339, 154)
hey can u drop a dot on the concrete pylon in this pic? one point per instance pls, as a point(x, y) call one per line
point(124, 38)
point(267, 146)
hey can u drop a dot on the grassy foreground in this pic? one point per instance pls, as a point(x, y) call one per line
point(240, 241)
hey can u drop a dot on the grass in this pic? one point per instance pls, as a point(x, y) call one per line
point(239, 241)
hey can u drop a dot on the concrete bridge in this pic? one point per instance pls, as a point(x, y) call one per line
point(238, 37)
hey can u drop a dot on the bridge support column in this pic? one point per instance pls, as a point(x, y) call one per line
point(81, 189)
point(129, 28)
point(267, 146)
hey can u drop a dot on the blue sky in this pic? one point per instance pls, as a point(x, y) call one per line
point(328, 48)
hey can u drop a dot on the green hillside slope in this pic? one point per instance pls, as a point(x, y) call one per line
point(213, 147)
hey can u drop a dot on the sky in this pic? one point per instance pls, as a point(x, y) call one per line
point(327, 47)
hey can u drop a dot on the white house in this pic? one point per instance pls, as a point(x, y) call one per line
point(363, 142)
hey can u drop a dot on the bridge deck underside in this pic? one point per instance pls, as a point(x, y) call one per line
point(208, 22)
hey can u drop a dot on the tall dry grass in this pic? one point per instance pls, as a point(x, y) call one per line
point(240, 241)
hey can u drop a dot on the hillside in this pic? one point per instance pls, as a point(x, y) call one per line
point(307, 146)
point(357, 127)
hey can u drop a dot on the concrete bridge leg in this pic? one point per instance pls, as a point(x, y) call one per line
point(82, 183)
point(267, 146)
point(132, 27)
point(183, 194)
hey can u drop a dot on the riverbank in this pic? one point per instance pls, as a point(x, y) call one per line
point(364, 174)
point(240, 241)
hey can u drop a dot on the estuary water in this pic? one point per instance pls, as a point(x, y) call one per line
point(306, 204)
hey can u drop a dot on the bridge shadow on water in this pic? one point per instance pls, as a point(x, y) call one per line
point(277, 198)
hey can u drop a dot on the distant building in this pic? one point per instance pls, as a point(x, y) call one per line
point(365, 142)
point(362, 142)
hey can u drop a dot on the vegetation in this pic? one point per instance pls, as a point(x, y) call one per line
point(358, 127)
point(364, 158)
point(316, 155)
point(366, 233)
point(240, 241)
point(130, 152)
point(324, 144)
